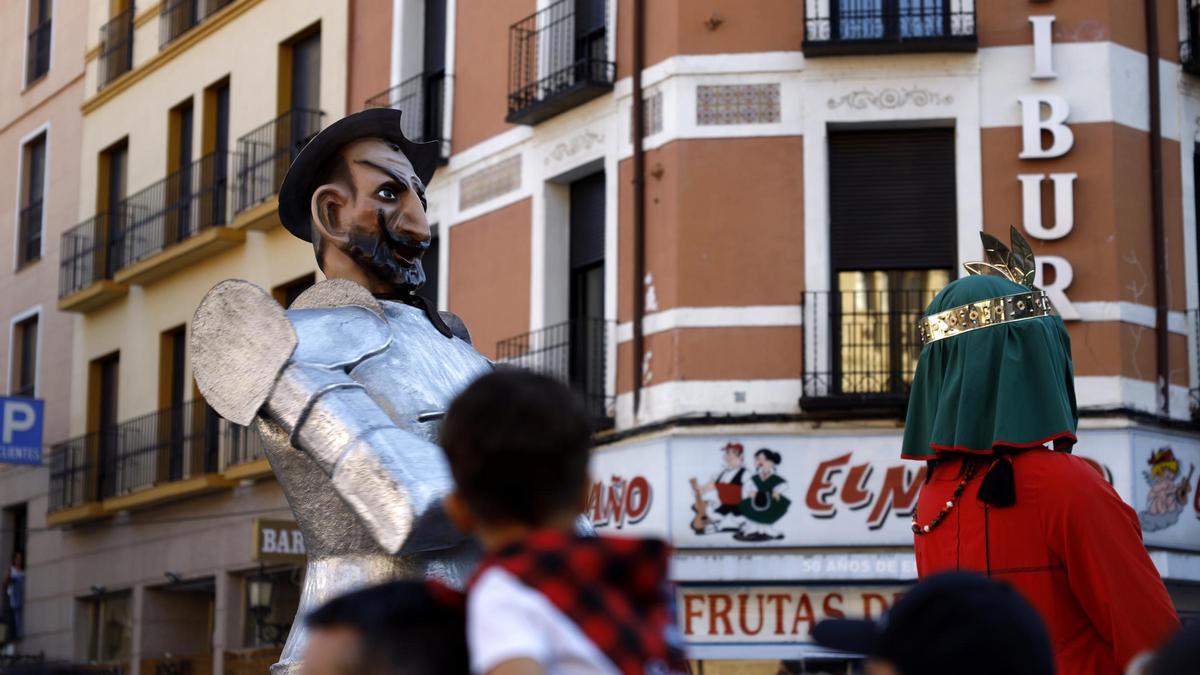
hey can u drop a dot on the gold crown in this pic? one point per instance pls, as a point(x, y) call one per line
point(1016, 265)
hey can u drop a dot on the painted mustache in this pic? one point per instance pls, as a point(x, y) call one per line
point(393, 258)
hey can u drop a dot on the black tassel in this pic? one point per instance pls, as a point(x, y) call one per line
point(999, 487)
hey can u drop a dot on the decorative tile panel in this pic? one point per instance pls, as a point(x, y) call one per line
point(652, 115)
point(489, 183)
point(737, 104)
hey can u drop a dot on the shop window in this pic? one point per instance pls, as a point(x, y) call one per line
point(109, 626)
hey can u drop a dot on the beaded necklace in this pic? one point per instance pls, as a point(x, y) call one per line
point(920, 530)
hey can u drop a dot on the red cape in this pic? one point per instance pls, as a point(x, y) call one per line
point(1069, 545)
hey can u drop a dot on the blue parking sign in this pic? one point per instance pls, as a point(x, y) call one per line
point(21, 430)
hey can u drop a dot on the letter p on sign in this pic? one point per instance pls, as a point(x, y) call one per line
point(21, 430)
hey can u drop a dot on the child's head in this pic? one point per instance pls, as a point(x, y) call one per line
point(518, 445)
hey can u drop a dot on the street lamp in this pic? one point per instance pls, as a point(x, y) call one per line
point(259, 588)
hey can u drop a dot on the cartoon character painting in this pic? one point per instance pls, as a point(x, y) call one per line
point(1168, 493)
point(763, 502)
point(719, 501)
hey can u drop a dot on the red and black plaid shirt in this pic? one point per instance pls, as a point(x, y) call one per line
point(616, 591)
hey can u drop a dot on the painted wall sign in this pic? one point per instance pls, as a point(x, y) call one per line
point(774, 614)
point(766, 491)
point(278, 541)
point(21, 430)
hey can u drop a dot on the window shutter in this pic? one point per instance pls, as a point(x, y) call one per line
point(892, 199)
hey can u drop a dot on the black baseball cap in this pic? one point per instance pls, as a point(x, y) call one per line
point(295, 195)
point(950, 624)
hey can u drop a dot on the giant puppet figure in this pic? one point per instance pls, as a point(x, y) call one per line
point(348, 385)
point(992, 409)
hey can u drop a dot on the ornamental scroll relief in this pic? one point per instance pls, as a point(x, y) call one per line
point(890, 98)
point(573, 146)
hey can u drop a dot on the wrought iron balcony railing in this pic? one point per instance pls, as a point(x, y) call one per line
point(575, 352)
point(84, 256)
point(161, 447)
point(177, 17)
point(874, 26)
point(180, 206)
point(74, 478)
point(37, 54)
point(422, 97)
point(165, 446)
point(29, 233)
point(264, 154)
point(239, 445)
point(557, 59)
point(116, 47)
point(860, 347)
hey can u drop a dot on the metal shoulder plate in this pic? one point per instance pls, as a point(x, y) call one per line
point(338, 337)
point(241, 340)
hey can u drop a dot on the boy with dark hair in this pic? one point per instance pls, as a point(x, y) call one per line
point(399, 628)
point(545, 600)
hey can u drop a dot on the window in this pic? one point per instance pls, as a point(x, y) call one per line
point(37, 46)
point(215, 146)
point(429, 261)
point(116, 42)
point(24, 357)
point(866, 26)
point(304, 74)
point(893, 227)
point(286, 294)
point(586, 288)
point(172, 392)
point(180, 171)
point(33, 187)
point(103, 380)
point(112, 212)
point(14, 530)
point(109, 626)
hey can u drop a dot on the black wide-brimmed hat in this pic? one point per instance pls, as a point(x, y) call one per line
point(295, 195)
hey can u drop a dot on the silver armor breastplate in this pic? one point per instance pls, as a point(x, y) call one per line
point(347, 393)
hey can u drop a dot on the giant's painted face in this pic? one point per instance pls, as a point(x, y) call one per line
point(382, 224)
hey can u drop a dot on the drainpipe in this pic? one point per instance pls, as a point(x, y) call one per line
point(1156, 212)
point(639, 202)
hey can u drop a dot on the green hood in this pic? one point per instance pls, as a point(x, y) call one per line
point(1006, 386)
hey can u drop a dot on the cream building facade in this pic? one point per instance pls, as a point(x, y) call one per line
point(166, 515)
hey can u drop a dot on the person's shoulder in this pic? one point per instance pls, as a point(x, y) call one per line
point(1063, 478)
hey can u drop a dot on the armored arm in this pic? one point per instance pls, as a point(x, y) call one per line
point(248, 362)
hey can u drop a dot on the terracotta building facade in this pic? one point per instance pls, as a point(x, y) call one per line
point(717, 220)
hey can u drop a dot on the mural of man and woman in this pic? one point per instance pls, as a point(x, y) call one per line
point(747, 501)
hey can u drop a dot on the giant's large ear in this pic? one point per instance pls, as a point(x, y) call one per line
point(329, 203)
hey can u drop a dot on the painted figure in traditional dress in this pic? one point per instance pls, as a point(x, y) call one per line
point(722, 494)
point(763, 502)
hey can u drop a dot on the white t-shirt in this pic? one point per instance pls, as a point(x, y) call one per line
point(508, 620)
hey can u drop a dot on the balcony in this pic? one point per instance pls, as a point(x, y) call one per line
point(37, 53)
point(173, 223)
point(860, 348)
point(148, 235)
point(116, 47)
point(85, 266)
point(176, 17)
point(575, 352)
point(558, 59)
point(835, 27)
point(263, 157)
point(166, 455)
point(423, 100)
